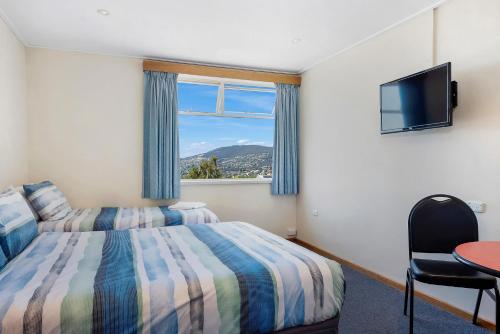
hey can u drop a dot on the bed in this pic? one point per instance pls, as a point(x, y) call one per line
point(211, 278)
point(54, 213)
point(105, 219)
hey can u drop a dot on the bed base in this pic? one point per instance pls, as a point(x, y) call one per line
point(330, 326)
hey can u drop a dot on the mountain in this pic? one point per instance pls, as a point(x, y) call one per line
point(245, 161)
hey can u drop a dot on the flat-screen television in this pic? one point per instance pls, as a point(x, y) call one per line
point(419, 101)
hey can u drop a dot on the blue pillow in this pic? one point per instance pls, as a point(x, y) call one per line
point(48, 201)
point(3, 259)
point(17, 224)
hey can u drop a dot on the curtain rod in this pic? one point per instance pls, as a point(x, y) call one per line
point(221, 72)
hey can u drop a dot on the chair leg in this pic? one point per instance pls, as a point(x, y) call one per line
point(478, 304)
point(406, 294)
point(497, 309)
point(411, 302)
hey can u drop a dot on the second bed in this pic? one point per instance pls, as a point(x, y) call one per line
point(114, 218)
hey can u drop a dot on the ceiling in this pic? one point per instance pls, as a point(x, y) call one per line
point(279, 35)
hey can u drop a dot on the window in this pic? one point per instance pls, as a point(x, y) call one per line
point(197, 97)
point(256, 101)
point(226, 128)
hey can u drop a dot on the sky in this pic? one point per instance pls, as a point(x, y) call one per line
point(200, 134)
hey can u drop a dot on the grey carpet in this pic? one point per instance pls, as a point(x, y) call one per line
point(373, 307)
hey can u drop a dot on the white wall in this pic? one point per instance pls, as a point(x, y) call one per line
point(364, 184)
point(85, 122)
point(13, 122)
point(85, 125)
point(249, 203)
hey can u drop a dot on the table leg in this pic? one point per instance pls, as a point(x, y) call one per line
point(491, 294)
point(496, 298)
point(497, 309)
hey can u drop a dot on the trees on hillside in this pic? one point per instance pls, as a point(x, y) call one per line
point(207, 169)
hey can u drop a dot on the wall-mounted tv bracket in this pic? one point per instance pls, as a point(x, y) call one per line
point(454, 94)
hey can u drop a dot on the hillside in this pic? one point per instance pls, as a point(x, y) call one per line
point(236, 161)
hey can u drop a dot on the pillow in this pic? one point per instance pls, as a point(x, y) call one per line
point(20, 190)
point(48, 201)
point(17, 224)
point(3, 259)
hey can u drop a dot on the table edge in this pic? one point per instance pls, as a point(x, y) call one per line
point(474, 265)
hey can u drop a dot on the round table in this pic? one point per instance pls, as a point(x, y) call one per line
point(481, 255)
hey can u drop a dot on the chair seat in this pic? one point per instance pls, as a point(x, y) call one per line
point(450, 273)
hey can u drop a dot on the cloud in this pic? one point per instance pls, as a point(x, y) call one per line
point(252, 142)
point(198, 144)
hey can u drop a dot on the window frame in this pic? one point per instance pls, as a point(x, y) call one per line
point(194, 79)
point(256, 86)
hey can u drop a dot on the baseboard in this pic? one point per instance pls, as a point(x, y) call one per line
point(436, 302)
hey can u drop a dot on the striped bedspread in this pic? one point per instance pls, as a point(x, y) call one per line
point(105, 219)
point(212, 278)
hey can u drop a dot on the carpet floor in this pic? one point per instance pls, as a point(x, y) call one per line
point(373, 307)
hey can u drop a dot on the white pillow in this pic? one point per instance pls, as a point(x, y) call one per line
point(20, 190)
point(187, 205)
point(17, 224)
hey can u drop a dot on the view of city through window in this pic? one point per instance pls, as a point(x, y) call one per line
point(227, 136)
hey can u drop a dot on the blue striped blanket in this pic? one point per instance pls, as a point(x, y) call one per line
point(211, 278)
point(105, 219)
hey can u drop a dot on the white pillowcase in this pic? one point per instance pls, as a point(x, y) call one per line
point(17, 224)
point(187, 205)
point(19, 189)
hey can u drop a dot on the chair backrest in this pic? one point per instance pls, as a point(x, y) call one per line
point(438, 223)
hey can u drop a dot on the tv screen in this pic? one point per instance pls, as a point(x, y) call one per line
point(419, 101)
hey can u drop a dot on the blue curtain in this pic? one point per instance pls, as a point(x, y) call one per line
point(286, 132)
point(161, 175)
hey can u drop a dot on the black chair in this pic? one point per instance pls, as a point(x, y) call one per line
point(437, 224)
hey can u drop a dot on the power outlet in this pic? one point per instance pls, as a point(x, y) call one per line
point(315, 212)
point(477, 206)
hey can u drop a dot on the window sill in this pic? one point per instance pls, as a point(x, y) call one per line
point(224, 181)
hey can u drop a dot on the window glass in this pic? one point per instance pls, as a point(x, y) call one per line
point(195, 97)
point(248, 99)
point(225, 147)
